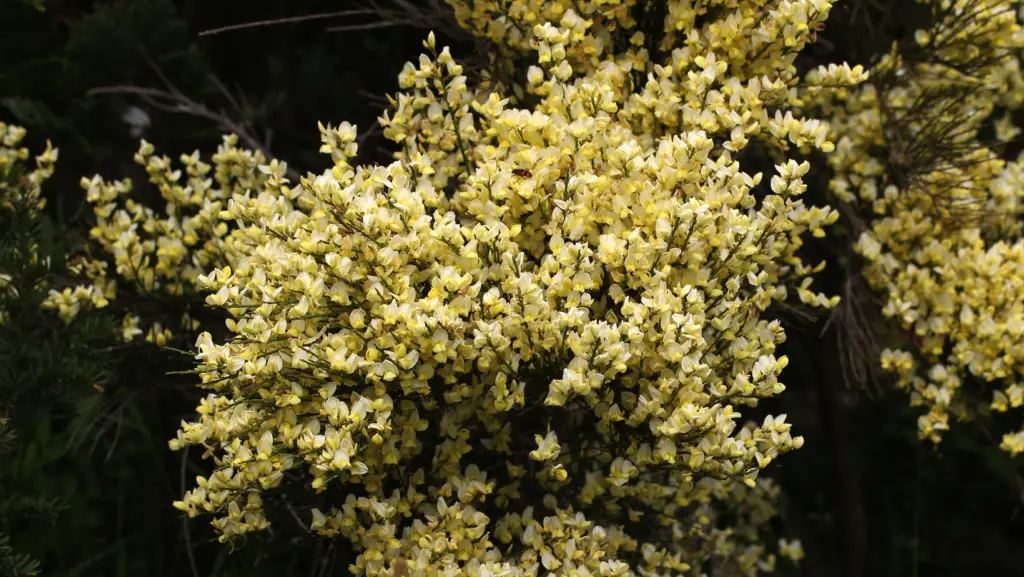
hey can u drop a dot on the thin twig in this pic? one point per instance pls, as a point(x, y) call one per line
point(285, 20)
point(177, 103)
point(117, 434)
point(375, 99)
point(180, 103)
point(373, 129)
point(224, 90)
point(295, 515)
point(367, 26)
point(184, 519)
point(328, 561)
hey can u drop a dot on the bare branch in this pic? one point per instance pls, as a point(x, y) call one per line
point(367, 26)
point(286, 20)
point(295, 515)
point(224, 90)
point(175, 102)
point(184, 519)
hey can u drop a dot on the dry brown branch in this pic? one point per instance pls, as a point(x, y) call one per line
point(184, 518)
point(295, 515)
point(173, 101)
point(425, 14)
point(366, 26)
point(857, 319)
point(286, 20)
point(433, 15)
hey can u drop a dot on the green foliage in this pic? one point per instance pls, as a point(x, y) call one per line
point(43, 363)
point(12, 563)
point(129, 38)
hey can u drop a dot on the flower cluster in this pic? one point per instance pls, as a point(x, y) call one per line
point(162, 254)
point(942, 236)
point(20, 187)
point(521, 346)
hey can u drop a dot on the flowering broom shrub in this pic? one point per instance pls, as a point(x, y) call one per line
point(918, 149)
point(522, 345)
point(526, 344)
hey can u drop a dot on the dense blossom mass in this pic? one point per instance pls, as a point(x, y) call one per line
point(521, 346)
point(942, 234)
